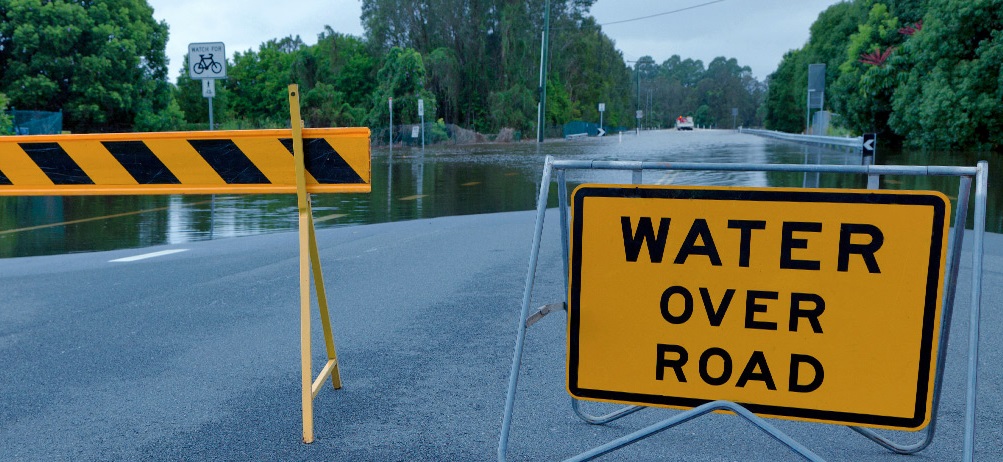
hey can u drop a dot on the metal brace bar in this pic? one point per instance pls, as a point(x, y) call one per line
point(543, 311)
point(605, 418)
point(687, 416)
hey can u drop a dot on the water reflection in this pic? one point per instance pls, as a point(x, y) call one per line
point(441, 181)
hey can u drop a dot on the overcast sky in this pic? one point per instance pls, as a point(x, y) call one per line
point(755, 32)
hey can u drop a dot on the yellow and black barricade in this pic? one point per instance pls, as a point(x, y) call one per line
point(209, 162)
point(291, 161)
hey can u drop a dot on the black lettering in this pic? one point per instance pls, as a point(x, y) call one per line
point(751, 308)
point(687, 305)
point(661, 362)
point(796, 362)
point(811, 315)
point(745, 244)
point(689, 247)
point(757, 361)
point(725, 372)
point(789, 243)
point(866, 251)
point(715, 316)
point(645, 232)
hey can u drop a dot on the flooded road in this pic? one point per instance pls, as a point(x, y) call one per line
point(442, 180)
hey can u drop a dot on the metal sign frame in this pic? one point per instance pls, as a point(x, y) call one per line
point(978, 173)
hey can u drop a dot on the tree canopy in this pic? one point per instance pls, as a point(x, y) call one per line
point(924, 72)
point(101, 63)
point(474, 64)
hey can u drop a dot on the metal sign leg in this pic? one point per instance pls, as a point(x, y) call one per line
point(541, 210)
point(973, 333)
point(953, 265)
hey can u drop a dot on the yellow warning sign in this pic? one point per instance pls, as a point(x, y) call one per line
point(209, 162)
point(820, 305)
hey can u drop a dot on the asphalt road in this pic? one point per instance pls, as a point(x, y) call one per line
point(195, 356)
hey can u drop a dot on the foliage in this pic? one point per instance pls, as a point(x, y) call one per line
point(950, 97)
point(475, 64)
point(926, 71)
point(786, 103)
point(258, 82)
point(99, 62)
point(514, 108)
point(6, 124)
point(867, 79)
point(170, 118)
point(402, 78)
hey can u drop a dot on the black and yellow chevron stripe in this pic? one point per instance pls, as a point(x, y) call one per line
point(210, 162)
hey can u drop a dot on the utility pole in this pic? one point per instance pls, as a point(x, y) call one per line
point(541, 110)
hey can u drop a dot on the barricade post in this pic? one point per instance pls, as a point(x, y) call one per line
point(945, 282)
point(285, 161)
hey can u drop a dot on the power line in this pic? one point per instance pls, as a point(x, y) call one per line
point(661, 14)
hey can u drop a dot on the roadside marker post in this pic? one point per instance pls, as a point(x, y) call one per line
point(292, 161)
point(678, 236)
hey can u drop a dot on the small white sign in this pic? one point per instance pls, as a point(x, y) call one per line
point(208, 88)
point(414, 131)
point(640, 114)
point(207, 60)
point(602, 107)
point(421, 107)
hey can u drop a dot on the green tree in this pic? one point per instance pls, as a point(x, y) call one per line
point(786, 101)
point(867, 78)
point(6, 124)
point(950, 97)
point(100, 62)
point(514, 108)
point(402, 78)
point(258, 82)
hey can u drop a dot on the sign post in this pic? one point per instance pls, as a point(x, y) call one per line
point(602, 109)
point(868, 158)
point(421, 113)
point(816, 93)
point(207, 62)
point(390, 101)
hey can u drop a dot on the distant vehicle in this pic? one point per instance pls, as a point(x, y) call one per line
point(684, 123)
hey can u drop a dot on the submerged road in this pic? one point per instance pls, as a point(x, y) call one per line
point(192, 353)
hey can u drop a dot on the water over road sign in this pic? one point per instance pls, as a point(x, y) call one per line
point(819, 305)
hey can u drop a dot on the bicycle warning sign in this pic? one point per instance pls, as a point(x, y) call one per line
point(207, 60)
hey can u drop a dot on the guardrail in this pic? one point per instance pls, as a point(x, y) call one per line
point(831, 141)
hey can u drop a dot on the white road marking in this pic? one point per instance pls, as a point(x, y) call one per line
point(147, 255)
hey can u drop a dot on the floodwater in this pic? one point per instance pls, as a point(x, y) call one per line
point(410, 183)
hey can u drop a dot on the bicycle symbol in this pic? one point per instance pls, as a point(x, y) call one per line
point(206, 62)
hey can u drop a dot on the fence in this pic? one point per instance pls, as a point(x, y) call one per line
point(37, 122)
